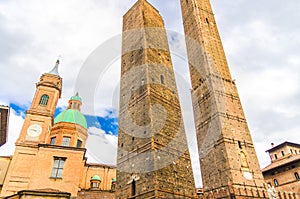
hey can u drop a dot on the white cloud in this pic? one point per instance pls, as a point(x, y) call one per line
point(102, 147)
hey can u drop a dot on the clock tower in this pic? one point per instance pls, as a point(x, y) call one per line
point(39, 118)
point(35, 132)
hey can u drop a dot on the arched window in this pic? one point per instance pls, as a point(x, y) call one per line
point(297, 176)
point(44, 100)
point(276, 183)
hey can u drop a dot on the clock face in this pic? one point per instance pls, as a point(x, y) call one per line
point(34, 130)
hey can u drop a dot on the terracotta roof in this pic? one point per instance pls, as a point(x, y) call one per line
point(283, 144)
point(282, 162)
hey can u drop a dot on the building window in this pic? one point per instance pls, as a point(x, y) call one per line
point(282, 153)
point(79, 143)
point(66, 141)
point(275, 156)
point(95, 185)
point(297, 176)
point(133, 189)
point(162, 79)
point(44, 100)
point(58, 167)
point(53, 140)
point(276, 183)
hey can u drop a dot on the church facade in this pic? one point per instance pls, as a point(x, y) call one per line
point(49, 157)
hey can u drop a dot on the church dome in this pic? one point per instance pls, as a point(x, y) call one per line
point(96, 177)
point(71, 116)
point(76, 97)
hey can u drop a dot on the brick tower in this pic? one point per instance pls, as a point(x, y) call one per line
point(229, 164)
point(153, 159)
point(35, 131)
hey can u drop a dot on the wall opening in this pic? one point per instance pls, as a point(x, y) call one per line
point(133, 189)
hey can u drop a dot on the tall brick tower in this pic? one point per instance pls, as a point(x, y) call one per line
point(153, 159)
point(229, 164)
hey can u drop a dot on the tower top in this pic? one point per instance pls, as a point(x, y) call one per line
point(144, 14)
point(76, 97)
point(54, 71)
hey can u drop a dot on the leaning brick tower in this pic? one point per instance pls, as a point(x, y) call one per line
point(228, 160)
point(153, 160)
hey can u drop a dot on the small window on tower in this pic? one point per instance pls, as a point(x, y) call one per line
point(297, 176)
point(44, 100)
point(275, 156)
point(53, 140)
point(240, 144)
point(162, 79)
point(133, 189)
point(276, 183)
point(282, 153)
point(66, 141)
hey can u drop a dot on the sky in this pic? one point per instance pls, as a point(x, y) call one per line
point(261, 39)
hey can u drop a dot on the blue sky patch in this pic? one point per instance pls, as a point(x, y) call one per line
point(109, 124)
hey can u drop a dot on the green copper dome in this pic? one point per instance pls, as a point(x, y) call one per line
point(71, 116)
point(96, 177)
point(114, 180)
point(76, 97)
